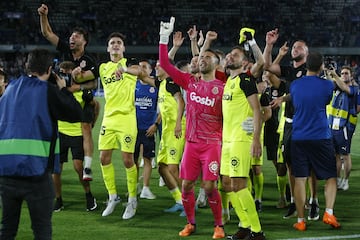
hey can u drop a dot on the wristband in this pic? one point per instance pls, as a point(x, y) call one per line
point(156, 124)
point(252, 42)
point(164, 39)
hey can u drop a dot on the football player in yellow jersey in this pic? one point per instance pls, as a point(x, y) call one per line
point(240, 101)
point(173, 134)
point(119, 124)
point(71, 137)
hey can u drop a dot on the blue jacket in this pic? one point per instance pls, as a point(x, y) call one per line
point(29, 111)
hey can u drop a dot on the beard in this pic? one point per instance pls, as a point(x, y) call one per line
point(298, 58)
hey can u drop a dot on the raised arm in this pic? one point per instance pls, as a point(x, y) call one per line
point(181, 78)
point(332, 75)
point(210, 37)
point(45, 26)
point(178, 40)
point(271, 38)
point(192, 33)
point(257, 69)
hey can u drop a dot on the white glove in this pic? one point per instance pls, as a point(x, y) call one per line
point(166, 28)
point(248, 125)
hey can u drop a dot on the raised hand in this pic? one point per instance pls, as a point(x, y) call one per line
point(272, 36)
point(192, 33)
point(166, 28)
point(178, 39)
point(284, 49)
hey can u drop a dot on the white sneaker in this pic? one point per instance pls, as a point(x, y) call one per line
point(141, 163)
point(345, 185)
point(153, 163)
point(339, 182)
point(201, 201)
point(87, 174)
point(130, 209)
point(147, 194)
point(111, 206)
point(161, 182)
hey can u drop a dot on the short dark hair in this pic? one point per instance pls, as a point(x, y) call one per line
point(215, 54)
point(242, 49)
point(116, 34)
point(314, 61)
point(38, 61)
point(67, 65)
point(83, 32)
point(182, 63)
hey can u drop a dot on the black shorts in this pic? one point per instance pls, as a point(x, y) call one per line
point(271, 141)
point(316, 155)
point(75, 144)
point(286, 143)
point(88, 115)
point(148, 145)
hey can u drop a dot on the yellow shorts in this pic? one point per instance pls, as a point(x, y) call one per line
point(171, 148)
point(257, 161)
point(125, 136)
point(235, 159)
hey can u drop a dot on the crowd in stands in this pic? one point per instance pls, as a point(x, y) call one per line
point(320, 23)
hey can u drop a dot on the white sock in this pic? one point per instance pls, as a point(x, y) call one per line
point(329, 211)
point(87, 161)
point(112, 197)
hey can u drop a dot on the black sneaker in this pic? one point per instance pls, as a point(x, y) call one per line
point(291, 211)
point(242, 233)
point(90, 202)
point(58, 206)
point(258, 205)
point(314, 212)
point(256, 236)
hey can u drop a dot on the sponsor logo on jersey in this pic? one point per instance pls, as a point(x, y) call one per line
point(202, 100)
point(227, 97)
point(112, 79)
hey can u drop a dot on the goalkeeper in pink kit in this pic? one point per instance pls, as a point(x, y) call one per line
point(203, 131)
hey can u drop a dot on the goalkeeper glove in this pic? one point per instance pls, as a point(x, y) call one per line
point(166, 28)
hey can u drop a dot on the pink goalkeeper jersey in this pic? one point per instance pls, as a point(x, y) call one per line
point(204, 101)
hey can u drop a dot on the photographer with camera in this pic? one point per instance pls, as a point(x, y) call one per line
point(29, 111)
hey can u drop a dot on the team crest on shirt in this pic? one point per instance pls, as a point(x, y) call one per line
point(235, 162)
point(214, 167)
point(83, 64)
point(152, 90)
point(232, 86)
point(172, 151)
point(299, 74)
point(127, 139)
point(275, 93)
point(215, 90)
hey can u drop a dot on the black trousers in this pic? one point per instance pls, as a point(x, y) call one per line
point(38, 193)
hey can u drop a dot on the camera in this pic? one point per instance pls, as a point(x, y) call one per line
point(65, 76)
point(330, 63)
